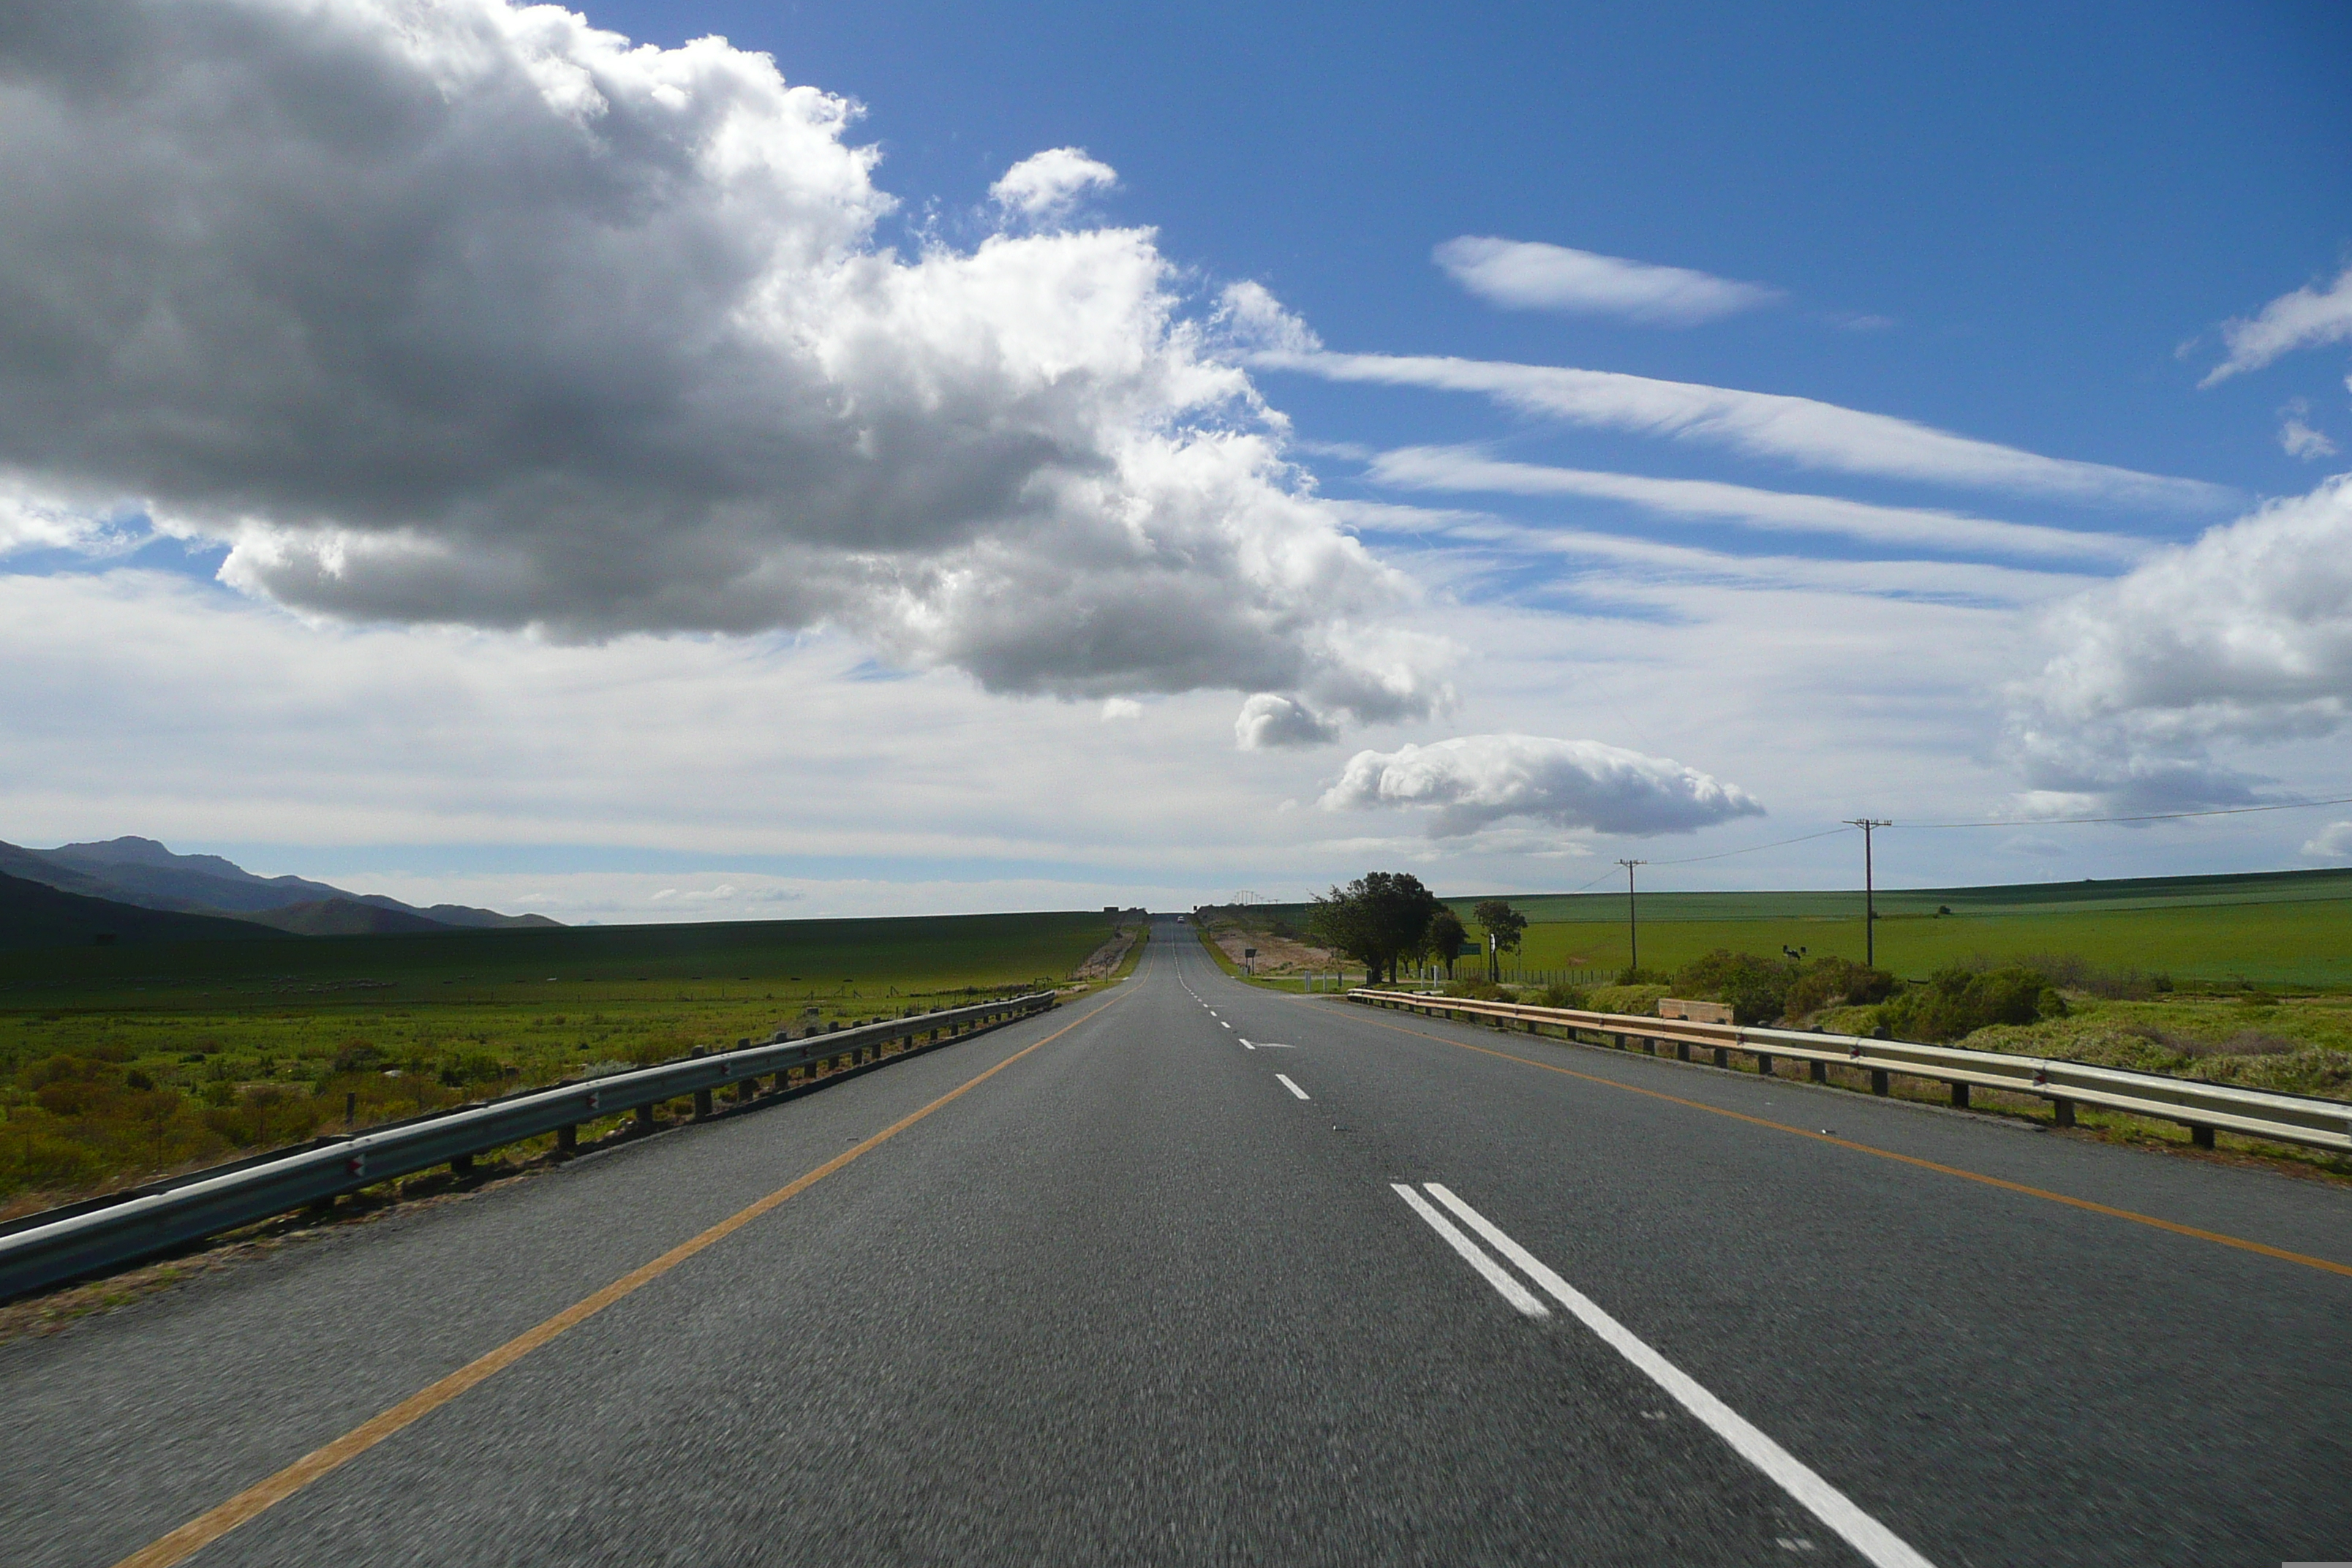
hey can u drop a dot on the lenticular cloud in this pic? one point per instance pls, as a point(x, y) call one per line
point(458, 311)
point(1474, 781)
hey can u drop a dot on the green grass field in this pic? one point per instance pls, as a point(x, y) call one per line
point(2292, 928)
point(117, 1062)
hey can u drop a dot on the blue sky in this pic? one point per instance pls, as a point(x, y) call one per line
point(443, 598)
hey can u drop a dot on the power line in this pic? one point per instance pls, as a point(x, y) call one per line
point(1752, 849)
point(2151, 816)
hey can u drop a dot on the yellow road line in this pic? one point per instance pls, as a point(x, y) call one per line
point(265, 1495)
point(2217, 1238)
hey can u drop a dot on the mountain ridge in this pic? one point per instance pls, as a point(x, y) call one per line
point(146, 874)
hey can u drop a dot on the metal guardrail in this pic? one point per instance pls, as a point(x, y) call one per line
point(2202, 1108)
point(47, 1249)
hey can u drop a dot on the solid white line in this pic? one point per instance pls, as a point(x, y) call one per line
point(1290, 1086)
point(1510, 1290)
point(1831, 1506)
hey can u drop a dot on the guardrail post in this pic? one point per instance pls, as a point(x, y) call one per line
point(1682, 1050)
point(2202, 1137)
point(2062, 1112)
point(645, 1117)
point(462, 1167)
point(567, 1141)
point(1821, 1072)
point(1878, 1084)
point(1723, 1056)
point(1764, 1063)
point(1959, 1097)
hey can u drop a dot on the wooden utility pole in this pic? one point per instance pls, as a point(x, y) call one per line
point(1633, 923)
point(1869, 892)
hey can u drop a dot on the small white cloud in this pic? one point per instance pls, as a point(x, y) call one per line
point(1268, 722)
point(1522, 274)
point(1252, 320)
point(1046, 185)
point(2332, 842)
point(1472, 780)
point(2300, 440)
point(2304, 318)
point(1117, 708)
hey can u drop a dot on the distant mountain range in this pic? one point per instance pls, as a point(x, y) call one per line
point(144, 874)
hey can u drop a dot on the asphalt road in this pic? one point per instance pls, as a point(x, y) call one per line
point(1151, 1293)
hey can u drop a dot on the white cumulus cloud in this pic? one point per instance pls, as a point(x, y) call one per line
point(2243, 636)
point(2308, 317)
point(1526, 275)
point(1469, 781)
point(2332, 842)
point(1268, 722)
point(1047, 185)
point(471, 313)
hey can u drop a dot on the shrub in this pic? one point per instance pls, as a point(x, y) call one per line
point(1641, 1000)
point(1557, 995)
point(1478, 989)
point(1756, 988)
point(1829, 982)
point(358, 1056)
point(1955, 1003)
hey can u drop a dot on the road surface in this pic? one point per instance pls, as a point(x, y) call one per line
point(1204, 1274)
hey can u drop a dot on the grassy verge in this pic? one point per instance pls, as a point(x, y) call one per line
point(119, 1065)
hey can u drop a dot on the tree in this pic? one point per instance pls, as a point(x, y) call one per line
point(1376, 919)
point(1446, 936)
point(1503, 926)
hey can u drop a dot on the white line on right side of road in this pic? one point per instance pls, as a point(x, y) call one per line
point(1290, 1086)
point(1510, 1290)
point(1881, 1546)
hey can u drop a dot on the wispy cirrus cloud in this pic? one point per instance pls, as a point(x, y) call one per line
point(1799, 430)
point(1525, 275)
point(2304, 318)
point(1467, 470)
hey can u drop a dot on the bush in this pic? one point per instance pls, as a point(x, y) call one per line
point(1955, 1003)
point(1557, 995)
point(1641, 1000)
point(1642, 977)
point(1827, 981)
point(1479, 989)
point(1756, 988)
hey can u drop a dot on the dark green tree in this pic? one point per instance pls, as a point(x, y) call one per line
point(1380, 917)
point(1447, 937)
point(1505, 925)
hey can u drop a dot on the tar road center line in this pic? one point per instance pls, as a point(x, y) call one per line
point(1510, 1290)
point(1877, 1543)
point(1290, 1086)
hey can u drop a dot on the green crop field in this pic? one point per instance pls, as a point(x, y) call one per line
point(116, 1062)
point(2290, 927)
